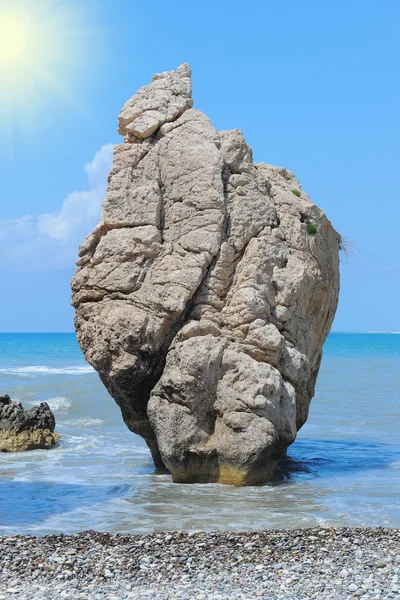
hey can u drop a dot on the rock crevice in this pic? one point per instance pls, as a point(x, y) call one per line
point(202, 298)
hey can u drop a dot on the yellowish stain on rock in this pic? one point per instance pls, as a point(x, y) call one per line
point(32, 439)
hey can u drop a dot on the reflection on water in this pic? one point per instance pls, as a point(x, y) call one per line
point(343, 469)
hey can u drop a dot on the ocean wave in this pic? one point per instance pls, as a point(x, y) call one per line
point(333, 333)
point(31, 371)
point(383, 332)
point(85, 443)
point(56, 403)
point(85, 422)
point(59, 403)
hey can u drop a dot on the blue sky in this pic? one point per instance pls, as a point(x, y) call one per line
point(314, 86)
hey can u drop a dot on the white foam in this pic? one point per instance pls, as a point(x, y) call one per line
point(84, 422)
point(56, 403)
point(30, 371)
point(383, 332)
point(59, 403)
point(62, 478)
point(86, 443)
point(364, 333)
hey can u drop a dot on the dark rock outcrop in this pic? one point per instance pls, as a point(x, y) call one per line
point(25, 429)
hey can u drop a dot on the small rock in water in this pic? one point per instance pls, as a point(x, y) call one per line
point(22, 430)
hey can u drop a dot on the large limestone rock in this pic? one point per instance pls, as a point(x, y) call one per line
point(22, 430)
point(206, 292)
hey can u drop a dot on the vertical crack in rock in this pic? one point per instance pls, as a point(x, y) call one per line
point(201, 298)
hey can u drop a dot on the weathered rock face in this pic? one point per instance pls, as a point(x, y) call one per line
point(205, 294)
point(22, 430)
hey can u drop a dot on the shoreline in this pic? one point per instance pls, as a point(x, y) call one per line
point(312, 563)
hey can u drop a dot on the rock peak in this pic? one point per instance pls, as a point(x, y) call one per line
point(205, 294)
point(163, 100)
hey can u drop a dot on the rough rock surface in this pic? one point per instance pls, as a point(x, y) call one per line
point(206, 292)
point(22, 430)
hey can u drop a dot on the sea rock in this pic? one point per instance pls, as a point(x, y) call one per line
point(204, 295)
point(22, 430)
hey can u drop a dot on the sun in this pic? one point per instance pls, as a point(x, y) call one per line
point(14, 40)
point(44, 47)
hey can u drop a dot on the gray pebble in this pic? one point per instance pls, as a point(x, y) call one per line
point(328, 564)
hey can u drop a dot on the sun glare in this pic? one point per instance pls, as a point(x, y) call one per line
point(43, 49)
point(14, 40)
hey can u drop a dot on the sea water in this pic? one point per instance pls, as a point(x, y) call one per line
point(343, 469)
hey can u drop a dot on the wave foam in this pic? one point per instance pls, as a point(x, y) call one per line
point(383, 332)
point(85, 422)
point(59, 403)
point(30, 371)
point(85, 443)
point(56, 403)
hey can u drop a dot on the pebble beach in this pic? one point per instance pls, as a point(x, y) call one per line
point(306, 564)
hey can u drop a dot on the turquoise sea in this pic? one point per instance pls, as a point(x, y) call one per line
point(343, 469)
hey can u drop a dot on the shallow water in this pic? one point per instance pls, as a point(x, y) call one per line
point(343, 469)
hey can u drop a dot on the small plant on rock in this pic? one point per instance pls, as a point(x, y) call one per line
point(345, 248)
point(296, 193)
point(311, 229)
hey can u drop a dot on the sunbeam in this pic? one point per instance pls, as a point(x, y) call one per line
point(42, 56)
